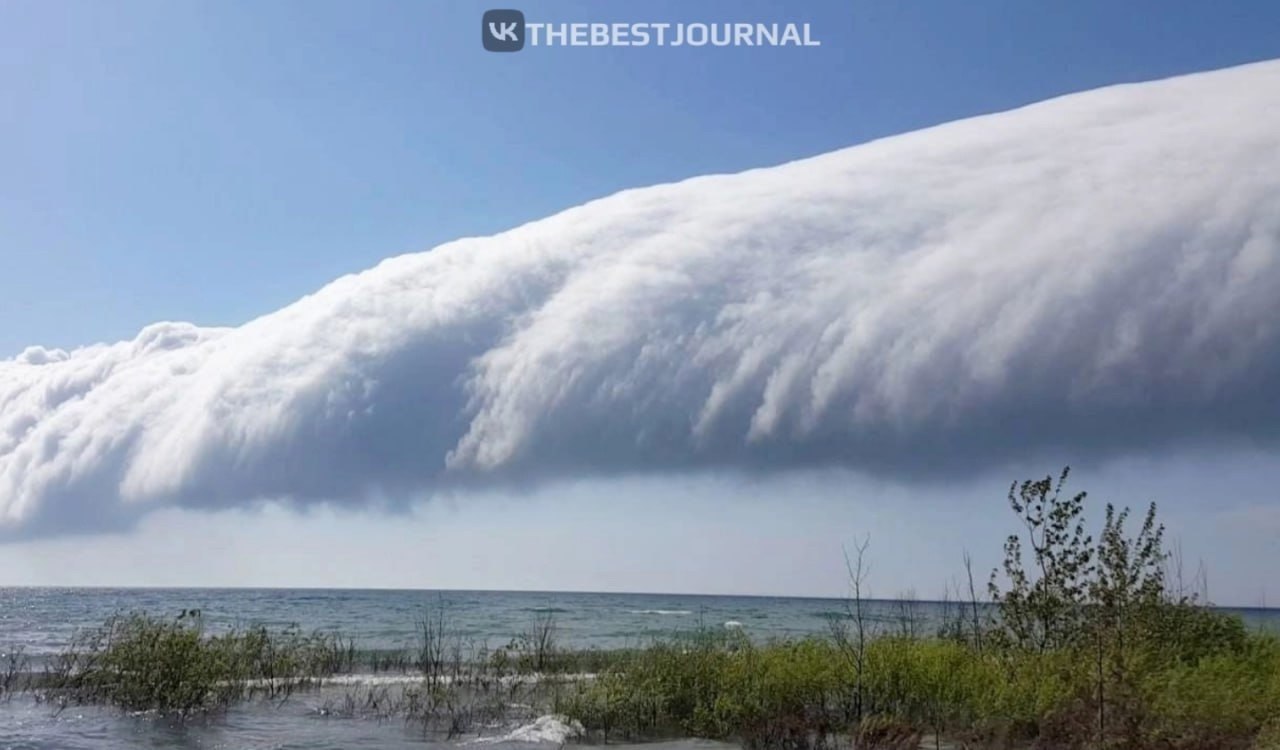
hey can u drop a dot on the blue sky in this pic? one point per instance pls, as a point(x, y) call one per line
point(211, 162)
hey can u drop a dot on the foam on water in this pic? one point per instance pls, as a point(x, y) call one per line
point(551, 728)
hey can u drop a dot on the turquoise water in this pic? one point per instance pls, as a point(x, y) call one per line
point(42, 620)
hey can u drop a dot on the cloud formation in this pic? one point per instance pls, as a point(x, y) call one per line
point(1098, 272)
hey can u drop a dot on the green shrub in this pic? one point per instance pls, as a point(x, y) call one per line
point(140, 662)
point(1223, 699)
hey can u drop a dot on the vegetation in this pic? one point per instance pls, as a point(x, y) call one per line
point(1086, 647)
point(139, 662)
point(175, 666)
point(14, 667)
point(1084, 643)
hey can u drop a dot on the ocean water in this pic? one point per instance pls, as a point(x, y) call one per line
point(43, 619)
point(40, 621)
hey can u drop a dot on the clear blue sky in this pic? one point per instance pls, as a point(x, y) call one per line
point(214, 161)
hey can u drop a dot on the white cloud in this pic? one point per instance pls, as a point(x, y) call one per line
point(1100, 270)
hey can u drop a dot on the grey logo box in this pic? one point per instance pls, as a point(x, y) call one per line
point(503, 30)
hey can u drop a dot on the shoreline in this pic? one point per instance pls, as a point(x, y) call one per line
point(714, 684)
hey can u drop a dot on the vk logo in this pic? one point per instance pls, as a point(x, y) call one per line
point(503, 30)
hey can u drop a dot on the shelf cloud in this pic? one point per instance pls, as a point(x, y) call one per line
point(1096, 273)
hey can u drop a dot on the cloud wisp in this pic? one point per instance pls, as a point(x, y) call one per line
point(1097, 272)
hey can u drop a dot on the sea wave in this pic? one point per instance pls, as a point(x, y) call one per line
point(680, 612)
point(833, 614)
point(365, 679)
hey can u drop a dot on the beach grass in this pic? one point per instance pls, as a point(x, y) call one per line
point(1209, 683)
point(142, 662)
point(800, 694)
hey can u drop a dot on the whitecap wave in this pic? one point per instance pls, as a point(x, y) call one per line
point(676, 612)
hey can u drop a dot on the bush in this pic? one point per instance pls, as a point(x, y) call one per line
point(140, 662)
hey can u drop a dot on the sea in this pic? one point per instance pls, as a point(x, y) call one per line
point(40, 622)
